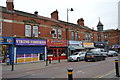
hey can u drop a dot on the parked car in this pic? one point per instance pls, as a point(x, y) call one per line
point(94, 56)
point(103, 51)
point(112, 53)
point(77, 56)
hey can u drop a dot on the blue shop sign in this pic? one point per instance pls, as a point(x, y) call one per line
point(115, 46)
point(99, 44)
point(20, 41)
point(6, 40)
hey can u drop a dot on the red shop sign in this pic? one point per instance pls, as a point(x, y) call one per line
point(51, 42)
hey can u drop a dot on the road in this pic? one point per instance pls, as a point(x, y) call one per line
point(82, 69)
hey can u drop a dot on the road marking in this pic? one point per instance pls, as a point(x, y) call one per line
point(80, 72)
point(104, 75)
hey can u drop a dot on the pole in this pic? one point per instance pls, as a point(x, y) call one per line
point(70, 75)
point(117, 68)
point(46, 62)
point(12, 69)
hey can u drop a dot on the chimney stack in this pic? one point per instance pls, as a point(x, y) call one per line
point(54, 15)
point(81, 22)
point(10, 5)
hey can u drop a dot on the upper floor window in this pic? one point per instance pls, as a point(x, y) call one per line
point(87, 37)
point(106, 36)
point(73, 35)
point(0, 28)
point(54, 35)
point(28, 30)
point(59, 33)
point(76, 35)
point(35, 31)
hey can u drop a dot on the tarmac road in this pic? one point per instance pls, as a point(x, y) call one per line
point(82, 69)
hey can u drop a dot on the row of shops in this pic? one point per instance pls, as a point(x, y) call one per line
point(31, 50)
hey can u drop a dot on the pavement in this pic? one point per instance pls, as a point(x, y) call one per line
point(29, 66)
point(42, 64)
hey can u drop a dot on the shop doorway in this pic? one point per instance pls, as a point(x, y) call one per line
point(5, 52)
point(41, 56)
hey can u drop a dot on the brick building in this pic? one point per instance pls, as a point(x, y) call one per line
point(28, 32)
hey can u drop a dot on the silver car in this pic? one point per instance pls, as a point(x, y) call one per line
point(77, 56)
point(112, 53)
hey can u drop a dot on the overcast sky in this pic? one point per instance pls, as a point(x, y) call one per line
point(89, 10)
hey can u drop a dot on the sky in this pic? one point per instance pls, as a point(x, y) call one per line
point(89, 10)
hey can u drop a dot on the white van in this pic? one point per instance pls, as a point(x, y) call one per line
point(103, 51)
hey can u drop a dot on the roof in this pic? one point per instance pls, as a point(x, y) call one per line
point(99, 24)
point(26, 14)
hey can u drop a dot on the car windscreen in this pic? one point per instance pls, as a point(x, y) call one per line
point(75, 53)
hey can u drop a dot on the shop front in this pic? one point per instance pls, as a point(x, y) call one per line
point(6, 48)
point(88, 45)
point(56, 49)
point(29, 50)
point(116, 47)
point(75, 46)
point(99, 44)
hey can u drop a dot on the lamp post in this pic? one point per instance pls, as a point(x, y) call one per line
point(68, 31)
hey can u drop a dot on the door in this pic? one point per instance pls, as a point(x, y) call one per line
point(57, 53)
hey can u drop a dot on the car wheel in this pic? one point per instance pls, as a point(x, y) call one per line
point(95, 60)
point(78, 59)
point(86, 60)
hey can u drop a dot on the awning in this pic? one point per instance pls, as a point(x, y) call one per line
point(73, 47)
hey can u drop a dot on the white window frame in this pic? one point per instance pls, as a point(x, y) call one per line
point(59, 33)
point(88, 37)
point(76, 35)
point(73, 35)
point(1, 28)
point(28, 30)
point(55, 33)
point(35, 31)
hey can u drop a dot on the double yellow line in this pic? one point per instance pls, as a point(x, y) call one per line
point(104, 75)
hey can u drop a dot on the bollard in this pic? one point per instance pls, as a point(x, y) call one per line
point(46, 62)
point(59, 58)
point(70, 75)
point(50, 60)
point(117, 68)
point(12, 69)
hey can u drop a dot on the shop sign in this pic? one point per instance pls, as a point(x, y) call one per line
point(20, 41)
point(51, 42)
point(75, 43)
point(6, 40)
point(115, 46)
point(88, 45)
point(99, 44)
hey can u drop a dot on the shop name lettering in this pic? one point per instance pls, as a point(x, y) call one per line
point(58, 42)
point(30, 42)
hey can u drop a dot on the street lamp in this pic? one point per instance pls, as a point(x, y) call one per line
point(68, 31)
point(67, 12)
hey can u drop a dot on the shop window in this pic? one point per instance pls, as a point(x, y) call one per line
point(73, 35)
point(27, 30)
point(49, 52)
point(59, 33)
point(35, 31)
point(54, 35)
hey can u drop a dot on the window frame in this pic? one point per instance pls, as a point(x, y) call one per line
point(35, 34)
point(60, 33)
point(73, 35)
point(26, 30)
point(53, 35)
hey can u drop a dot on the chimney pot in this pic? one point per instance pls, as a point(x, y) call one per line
point(10, 5)
point(54, 15)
